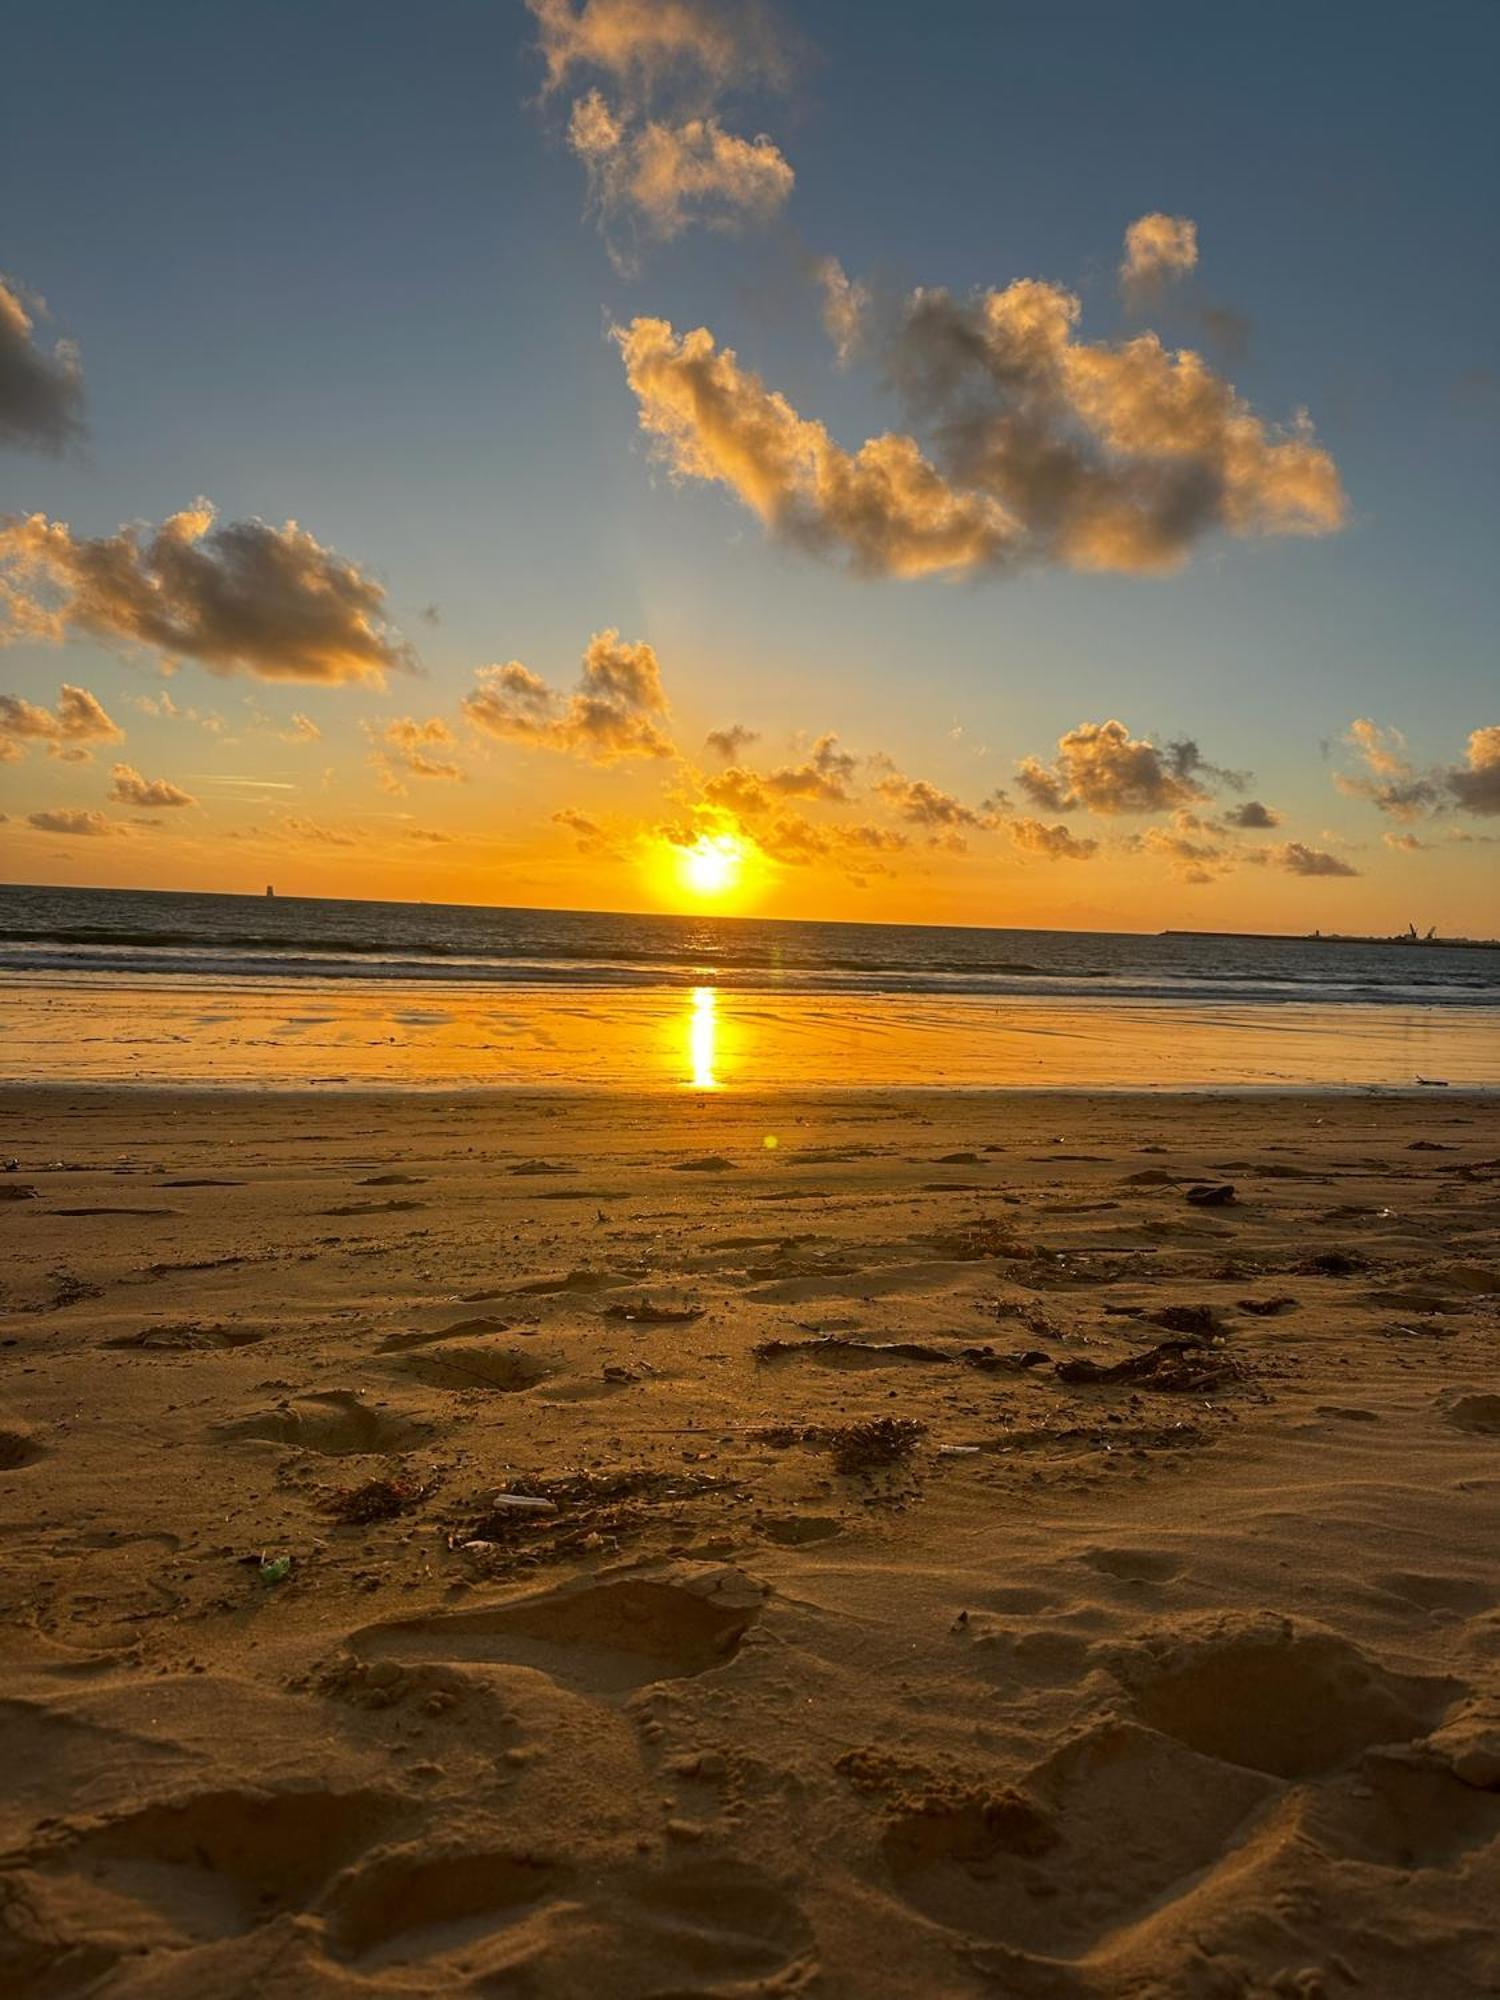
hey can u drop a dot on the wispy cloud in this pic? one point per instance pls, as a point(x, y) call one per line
point(648, 128)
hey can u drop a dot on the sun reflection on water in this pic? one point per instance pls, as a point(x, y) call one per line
point(702, 1033)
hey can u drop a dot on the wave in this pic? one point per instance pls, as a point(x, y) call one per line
point(307, 964)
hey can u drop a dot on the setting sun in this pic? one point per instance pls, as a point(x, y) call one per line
point(713, 865)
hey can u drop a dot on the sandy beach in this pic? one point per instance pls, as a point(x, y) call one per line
point(733, 1544)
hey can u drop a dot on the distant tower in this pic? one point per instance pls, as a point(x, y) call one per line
point(269, 890)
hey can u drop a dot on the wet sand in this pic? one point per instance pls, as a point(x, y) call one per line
point(454, 1034)
point(956, 1563)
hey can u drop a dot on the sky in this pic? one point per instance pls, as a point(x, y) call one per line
point(976, 464)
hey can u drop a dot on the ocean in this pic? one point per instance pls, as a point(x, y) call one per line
point(214, 938)
point(114, 987)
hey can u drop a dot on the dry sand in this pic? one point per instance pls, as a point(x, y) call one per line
point(1176, 1678)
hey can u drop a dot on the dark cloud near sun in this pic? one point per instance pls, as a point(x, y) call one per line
point(729, 743)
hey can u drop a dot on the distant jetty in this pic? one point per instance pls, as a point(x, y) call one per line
point(1407, 937)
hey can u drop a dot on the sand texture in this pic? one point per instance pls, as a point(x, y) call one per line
point(550, 1547)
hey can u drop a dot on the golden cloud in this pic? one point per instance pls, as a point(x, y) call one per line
point(1158, 248)
point(616, 711)
point(78, 720)
point(1051, 843)
point(243, 597)
point(1102, 768)
point(131, 789)
point(885, 508)
point(1088, 454)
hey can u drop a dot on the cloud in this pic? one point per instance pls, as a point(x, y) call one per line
point(243, 597)
point(429, 836)
point(826, 773)
point(131, 789)
point(656, 152)
point(589, 836)
point(1190, 844)
point(616, 711)
point(1404, 843)
point(1110, 455)
point(408, 746)
point(1395, 787)
point(302, 729)
point(1091, 455)
point(78, 720)
point(728, 743)
point(885, 509)
point(1475, 785)
point(845, 304)
point(1102, 768)
point(75, 820)
point(1296, 859)
point(41, 394)
point(1051, 843)
point(647, 46)
point(924, 804)
point(162, 705)
point(315, 834)
point(1253, 816)
point(739, 791)
point(667, 176)
point(1158, 248)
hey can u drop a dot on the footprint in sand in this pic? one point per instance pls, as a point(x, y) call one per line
point(1257, 1691)
point(373, 1208)
point(474, 1364)
point(335, 1423)
point(1405, 1815)
point(402, 1343)
point(1099, 1834)
point(1434, 1591)
point(17, 1447)
point(183, 1337)
point(1133, 1565)
point(424, 1902)
point(1475, 1412)
point(599, 1638)
point(220, 1862)
point(714, 1927)
point(796, 1531)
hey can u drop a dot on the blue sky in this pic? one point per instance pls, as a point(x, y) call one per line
point(330, 263)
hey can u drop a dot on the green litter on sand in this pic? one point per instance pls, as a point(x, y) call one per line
point(275, 1569)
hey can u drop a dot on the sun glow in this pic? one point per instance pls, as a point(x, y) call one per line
point(712, 866)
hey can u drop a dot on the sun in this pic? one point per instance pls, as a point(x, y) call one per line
point(712, 866)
